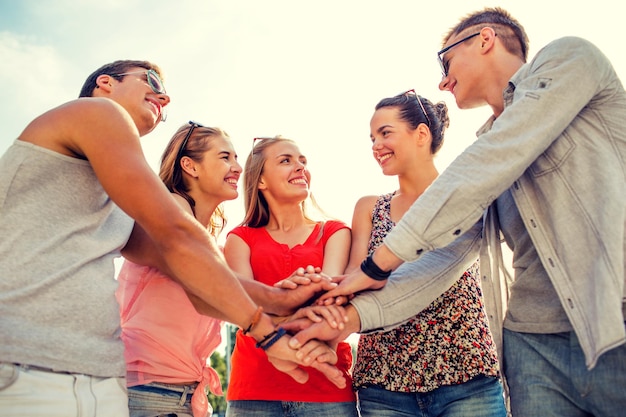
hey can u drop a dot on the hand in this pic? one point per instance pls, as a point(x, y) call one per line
point(315, 352)
point(335, 315)
point(304, 286)
point(304, 276)
point(306, 330)
point(349, 285)
point(316, 355)
point(339, 300)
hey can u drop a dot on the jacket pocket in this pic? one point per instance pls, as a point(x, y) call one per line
point(553, 157)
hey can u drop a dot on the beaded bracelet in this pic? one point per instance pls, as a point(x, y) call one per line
point(369, 267)
point(255, 319)
point(277, 335)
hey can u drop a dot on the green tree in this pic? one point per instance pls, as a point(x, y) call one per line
point(219, 402)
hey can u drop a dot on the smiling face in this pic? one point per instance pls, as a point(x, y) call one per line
point(465, 74)
point(393, 141)
point(284, 176)
point(134, 93)
point(217, 173)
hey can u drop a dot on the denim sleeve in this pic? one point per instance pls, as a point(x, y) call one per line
point(415, 285)
point(542, 99)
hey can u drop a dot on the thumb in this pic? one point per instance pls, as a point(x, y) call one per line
point(299, 375)
point(333, 374)
point(301, 338)
point(297, 325)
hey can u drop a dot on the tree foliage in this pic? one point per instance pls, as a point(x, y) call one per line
point(218, 403)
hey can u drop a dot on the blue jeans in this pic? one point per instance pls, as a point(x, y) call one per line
point(245, 408)
point(547, 377)
point(27, 391)
point(479, 397)
point(156, 399)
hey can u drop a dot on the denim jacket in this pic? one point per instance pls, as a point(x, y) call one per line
point(559, 145)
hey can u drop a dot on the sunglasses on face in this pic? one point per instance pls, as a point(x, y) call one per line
point(444, 64)
point(412, 92)
point(155, 83)
point(153, 79)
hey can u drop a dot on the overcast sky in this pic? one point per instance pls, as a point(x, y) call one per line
point(311, 71)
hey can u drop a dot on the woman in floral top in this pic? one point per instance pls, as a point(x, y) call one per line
point(443, 361)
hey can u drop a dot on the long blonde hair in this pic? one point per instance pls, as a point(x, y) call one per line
point(256, 207)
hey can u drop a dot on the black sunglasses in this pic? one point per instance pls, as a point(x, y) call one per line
point(442, 63)
point(183, 144)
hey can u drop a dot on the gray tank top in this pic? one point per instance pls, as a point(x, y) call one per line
point(59, 234)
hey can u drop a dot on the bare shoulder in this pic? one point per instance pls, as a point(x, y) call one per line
point(64, 128)
point(365, 204)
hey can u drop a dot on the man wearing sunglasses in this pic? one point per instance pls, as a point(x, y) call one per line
point(75, 192)
point(549, 167)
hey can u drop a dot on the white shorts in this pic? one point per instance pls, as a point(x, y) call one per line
point(27, 391)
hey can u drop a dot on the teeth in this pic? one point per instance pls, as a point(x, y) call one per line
point(384, 157)
point(298, 181)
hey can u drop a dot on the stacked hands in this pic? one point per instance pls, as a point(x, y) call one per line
point(316, 328)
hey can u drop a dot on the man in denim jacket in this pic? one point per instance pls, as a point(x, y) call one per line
point(549, 169)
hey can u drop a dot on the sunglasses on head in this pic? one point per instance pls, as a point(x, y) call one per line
point(412, 92)
point(261, 138)
point(183, 144)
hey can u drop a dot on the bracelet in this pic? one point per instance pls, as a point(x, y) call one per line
point(265, 339)
point(276, 335)
point(369, 267)
point(255, 319)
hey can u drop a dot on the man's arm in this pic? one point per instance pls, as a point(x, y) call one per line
point(411, 288)
point(275, 300)
point(281, 302)
point(415, 285)
point(103, 133)
point(306, 330)
point(545, 95)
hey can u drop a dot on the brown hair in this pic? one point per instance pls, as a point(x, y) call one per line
point(171, 171)
point(112, 69)
point(256, 207)
point(434, 116)
point(508, 29)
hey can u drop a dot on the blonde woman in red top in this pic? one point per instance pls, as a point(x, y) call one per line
point(275, 238)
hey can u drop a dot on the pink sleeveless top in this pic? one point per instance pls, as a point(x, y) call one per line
point(166, 339)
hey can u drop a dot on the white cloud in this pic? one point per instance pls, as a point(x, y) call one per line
point(309, 70)
point(33, 78)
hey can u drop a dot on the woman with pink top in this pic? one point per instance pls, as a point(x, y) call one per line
point(168, 343)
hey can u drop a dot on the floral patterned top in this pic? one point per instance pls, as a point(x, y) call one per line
point(447, 343)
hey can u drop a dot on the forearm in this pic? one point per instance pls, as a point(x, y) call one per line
point(385, 259)
point(272, 299)
point(195, 261)
point(415, 285)
point(204, 308)
point(353, 324)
